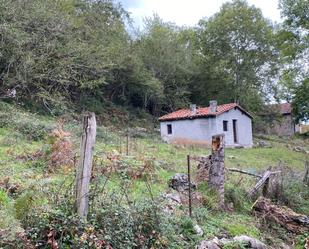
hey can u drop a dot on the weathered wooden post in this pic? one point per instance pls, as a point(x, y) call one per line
point(85, 164)
point(127, 142)
point(216, 171)
point(189, 180)
point(306, 175)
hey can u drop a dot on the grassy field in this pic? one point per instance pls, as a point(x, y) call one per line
point(19, 162)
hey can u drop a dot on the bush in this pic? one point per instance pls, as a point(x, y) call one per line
point(9, 226)
point(32, 130)
point(25, 204)
point(27, 124)
point(110, 223)
point(296, 195)
point(4, 199)
point(237, 197)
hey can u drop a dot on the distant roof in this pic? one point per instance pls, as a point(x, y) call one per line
point(201, 112)
point(285, 108)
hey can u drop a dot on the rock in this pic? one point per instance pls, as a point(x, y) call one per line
point(209, 244)
point(173, 200)
point(284, 246)
point(173, 197)
point(215, 243)
point(300, 149)
point(180, 182)
point(198, 230)
point(197, 198)
point(263, 144)
point(251, 242)
point(231, 157)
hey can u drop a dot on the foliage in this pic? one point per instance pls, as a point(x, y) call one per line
point(77, 54)
point(234, 245)
point(301, 240)
point(293, 41)
point(238, 52)
point(9, 225)
point(26, 202)
point(166, 51)
point(236, 196)
point(139, 225)
point(295, 194)
point(301, 101)
point(23, 122)
point(4, 199)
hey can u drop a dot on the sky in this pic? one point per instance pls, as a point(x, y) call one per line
point(189, 12)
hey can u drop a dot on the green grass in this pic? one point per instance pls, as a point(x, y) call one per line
point(166, 160)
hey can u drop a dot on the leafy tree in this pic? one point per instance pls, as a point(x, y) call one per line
point(301, 101)
point(238, 55)
point(166, 52)
point(294, 47)
point(54, 51)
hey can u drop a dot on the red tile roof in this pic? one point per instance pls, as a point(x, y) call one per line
point(200, 112)
point(285, 108)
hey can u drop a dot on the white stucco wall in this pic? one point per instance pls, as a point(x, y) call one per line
point(243, 127)
point(202, 129)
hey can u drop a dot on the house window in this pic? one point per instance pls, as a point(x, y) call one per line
point(225, 125)
point(169, 129)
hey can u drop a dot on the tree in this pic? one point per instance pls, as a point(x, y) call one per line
point(238, 55)
point(294, 48)
point(301, 102)
point(57, 51)
point(166, 52)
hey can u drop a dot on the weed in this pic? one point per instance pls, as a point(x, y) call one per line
point(4, 199)
point(234, 245)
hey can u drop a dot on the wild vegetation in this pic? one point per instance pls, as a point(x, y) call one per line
point(126, 203)
point(69, 55)
point(59, 58)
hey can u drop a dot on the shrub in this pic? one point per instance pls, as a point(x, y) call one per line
point(32, 130)
point(27, 124)
point(9, 226)
point(4, 199)
point(235, 245)
point(237, 197)
point(110, 223)
point(25, 204)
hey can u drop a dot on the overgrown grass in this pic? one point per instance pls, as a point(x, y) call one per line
point(164, 160)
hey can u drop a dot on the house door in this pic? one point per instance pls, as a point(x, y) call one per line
point(235, 130)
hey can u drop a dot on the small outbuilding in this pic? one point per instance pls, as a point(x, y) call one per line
point(198, 125)
point(282, 120)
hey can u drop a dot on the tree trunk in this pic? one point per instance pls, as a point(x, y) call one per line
point(286, 217)
point(85, 164)
point(216, 171)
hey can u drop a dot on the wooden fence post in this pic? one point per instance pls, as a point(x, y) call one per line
point(127, 142)
point(85, 164)
point(216, 171)
point(189, 180)
point(306, 175)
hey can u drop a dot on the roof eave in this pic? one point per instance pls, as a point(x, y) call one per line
point(184, 118)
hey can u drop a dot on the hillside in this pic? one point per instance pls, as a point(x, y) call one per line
point(38, 159)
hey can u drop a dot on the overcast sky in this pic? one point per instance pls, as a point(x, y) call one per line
point(189, 12)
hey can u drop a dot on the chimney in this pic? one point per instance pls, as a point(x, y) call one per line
point(213, 106)
point(193, 108)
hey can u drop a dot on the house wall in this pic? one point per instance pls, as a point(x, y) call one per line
point(202, 129)
point(285, 127)
point(243, 127)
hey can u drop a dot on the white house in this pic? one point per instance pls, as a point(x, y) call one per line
point(198, 125)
